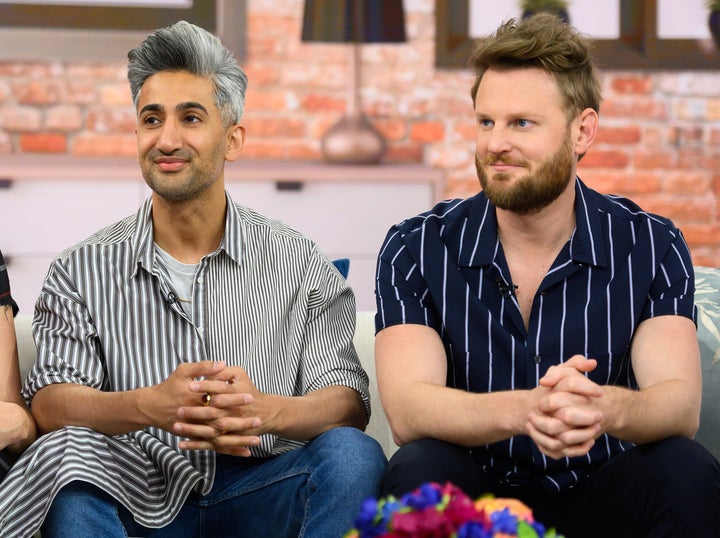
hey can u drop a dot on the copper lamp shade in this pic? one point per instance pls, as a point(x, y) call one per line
point(353, 139)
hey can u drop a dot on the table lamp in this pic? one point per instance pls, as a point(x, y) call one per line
point(353, 139)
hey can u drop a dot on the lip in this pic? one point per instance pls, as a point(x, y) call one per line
point(170, 164)
point(499, 166)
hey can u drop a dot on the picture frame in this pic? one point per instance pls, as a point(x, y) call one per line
point(638, 45)
point(106, 30)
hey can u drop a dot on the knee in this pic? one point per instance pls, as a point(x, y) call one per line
point(350, 455)
point(681, 464)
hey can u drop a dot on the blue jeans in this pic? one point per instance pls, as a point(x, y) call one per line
point(312, 491)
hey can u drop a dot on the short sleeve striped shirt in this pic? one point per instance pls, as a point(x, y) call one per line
point(266, 300)
point(445, 269)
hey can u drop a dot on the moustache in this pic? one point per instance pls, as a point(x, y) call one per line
point(492, 158)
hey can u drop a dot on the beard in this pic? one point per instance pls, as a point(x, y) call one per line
point(532, 192)
point(187, 184)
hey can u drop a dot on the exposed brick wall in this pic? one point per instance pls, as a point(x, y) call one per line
point(659, 141)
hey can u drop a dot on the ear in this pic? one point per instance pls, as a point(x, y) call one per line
point(585, 129)
point(235, 141)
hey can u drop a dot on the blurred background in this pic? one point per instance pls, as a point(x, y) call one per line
point(67, 144)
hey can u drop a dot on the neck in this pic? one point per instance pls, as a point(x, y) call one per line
point(191, 229)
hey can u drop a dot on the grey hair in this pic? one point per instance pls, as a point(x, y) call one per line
point(186, 47)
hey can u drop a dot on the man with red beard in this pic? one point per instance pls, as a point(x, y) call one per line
point(537, 340)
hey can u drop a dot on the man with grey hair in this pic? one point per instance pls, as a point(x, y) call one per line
point(196, 374)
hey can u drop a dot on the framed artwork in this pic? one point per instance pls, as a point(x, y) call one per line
point(628, 34)
point(107, 29)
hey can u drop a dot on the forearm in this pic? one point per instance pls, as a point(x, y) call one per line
point(666, 409)
point(456, 416)
point(18, 428)
point(304, 417)
point(112, 413)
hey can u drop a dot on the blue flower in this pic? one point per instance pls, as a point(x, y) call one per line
point(473, 529)
point(504, 521)
point(425, 496)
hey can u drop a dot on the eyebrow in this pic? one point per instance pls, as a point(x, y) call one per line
point(186, 105)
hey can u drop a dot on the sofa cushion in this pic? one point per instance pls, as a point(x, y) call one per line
point(707, 300)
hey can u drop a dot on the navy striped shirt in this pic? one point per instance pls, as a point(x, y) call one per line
point(266, 300)
point(445, 269)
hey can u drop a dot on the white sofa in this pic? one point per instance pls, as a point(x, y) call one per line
point(364, 344)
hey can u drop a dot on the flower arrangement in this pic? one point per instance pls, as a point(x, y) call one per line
point(435, 511)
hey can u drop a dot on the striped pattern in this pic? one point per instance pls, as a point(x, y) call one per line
point(267, 300)
point(444, 268)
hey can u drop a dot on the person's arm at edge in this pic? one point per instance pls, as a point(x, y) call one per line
point(25, 432)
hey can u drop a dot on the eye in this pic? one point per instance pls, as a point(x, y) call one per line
point(523, 123)
point(150, 120)
point(192, 118)
point(485, 123)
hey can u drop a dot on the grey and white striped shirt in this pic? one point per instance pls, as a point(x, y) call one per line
point(266, 300)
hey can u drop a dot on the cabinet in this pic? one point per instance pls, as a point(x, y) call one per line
point(49, 203)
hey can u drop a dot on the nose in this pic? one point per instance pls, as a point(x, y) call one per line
point(169, 137)
point(495, 140)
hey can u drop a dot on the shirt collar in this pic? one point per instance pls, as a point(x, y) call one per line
point(144, 246)
point(480, 240)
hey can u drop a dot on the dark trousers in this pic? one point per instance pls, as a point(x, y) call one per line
point(666, 489)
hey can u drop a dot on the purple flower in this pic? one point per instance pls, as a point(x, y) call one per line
point(428, 494)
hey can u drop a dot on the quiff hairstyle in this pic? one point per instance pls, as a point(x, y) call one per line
point(546, 42)
point(189, 48)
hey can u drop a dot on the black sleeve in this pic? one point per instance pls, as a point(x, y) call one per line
point(5, 297)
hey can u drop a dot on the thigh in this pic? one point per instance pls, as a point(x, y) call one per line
point(82, 509)
point(432, 460)
point(314, 490)
point(666, 489)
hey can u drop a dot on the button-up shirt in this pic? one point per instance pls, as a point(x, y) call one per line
point(266, 300)
point(446, 269)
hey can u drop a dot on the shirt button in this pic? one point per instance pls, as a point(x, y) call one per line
point(201, 330)
point(200, 280)
point(537, 359)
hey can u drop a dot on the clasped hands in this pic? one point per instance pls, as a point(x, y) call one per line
point(212, 406)
point(567, 418)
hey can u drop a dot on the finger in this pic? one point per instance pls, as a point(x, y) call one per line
point(547, 425)
point(192, 370)
point(227, 444)
point(574, 365)
point(579, 416)
point(557, 448)
point(557, 400)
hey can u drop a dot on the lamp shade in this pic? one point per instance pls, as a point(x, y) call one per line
point(354, 21)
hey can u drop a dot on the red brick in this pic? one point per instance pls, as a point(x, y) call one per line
point(645, 108)
point(632, 84)
point(405, 153)
point(260, 149)
point(274, 126)
point(466, 131)
point(687, 182)
point(704, 256)
point(315, 102)
point(105, 145)
point(618, 135)
point(20, 119)
point(702, 234)
point(302, 150)
point(64, 118)
point(598, 158)
point(653, 159)
point(37, 92)
point(111, 120)
point(627, 183)
point(391, 129)
point(679, 208)
point(274, 101)
point(427, 131)
point(43, 143)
